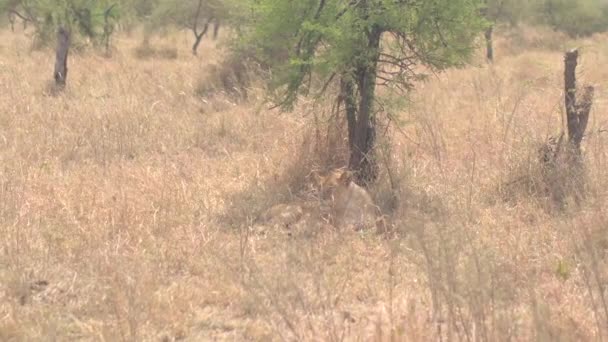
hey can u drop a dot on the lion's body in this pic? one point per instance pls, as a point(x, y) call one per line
point(342, 202)
point(351, 205)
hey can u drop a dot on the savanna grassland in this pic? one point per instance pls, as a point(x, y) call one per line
point(130, 205)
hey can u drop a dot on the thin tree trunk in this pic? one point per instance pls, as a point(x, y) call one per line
point(108, 29)
point(11, 20)
point(489, 43)
point(362, 159)
point(61, 57)
point(198, 38)
point(216, 29)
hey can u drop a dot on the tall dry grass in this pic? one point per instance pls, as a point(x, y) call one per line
point(129, 208)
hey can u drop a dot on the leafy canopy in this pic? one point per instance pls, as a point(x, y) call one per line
point(325, 38)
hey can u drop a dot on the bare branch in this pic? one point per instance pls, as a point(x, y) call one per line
point(12, 11)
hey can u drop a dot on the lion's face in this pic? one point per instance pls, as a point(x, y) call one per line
point(350, 204)
point(331, 185)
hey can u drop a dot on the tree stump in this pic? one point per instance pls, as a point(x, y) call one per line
point(561, 161)
point(577, 113)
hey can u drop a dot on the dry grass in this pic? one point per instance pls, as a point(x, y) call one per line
point(126, 205)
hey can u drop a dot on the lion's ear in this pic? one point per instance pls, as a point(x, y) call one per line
point(346, 178)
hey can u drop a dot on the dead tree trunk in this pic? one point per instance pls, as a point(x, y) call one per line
point(561, 159)
point(489, 44)
point(61, 57)
point(577, 113)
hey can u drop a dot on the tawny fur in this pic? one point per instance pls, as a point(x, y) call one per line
point(351, 205)
point(343, 203)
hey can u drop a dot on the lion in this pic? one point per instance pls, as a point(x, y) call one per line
point(351, 205)
point(340, 203)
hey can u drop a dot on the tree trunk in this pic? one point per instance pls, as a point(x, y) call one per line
point(198, 37)
point(11, 20)
point(197, 41)
point(577, 114)
point(563, 167)
point(216, 29)
point(361, 158)
point(106, 39)
point(489, 43)
point(61, 57)
point(108, 28)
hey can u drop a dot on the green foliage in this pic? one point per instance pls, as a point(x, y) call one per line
point(183, 13)
point(187, 13)
point(141, 9)
point(5, 5)
point(82, 17)
point(306, 38)
point(575, 17)
point(509, 11)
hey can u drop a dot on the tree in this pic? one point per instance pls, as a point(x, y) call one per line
point(492, 10)
point(198, 35)
point(357, 46)
point(13, 10)
point(507, 11)
point(64, 18)
point(110, 17)
point(194, 15)
point(60, 74)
